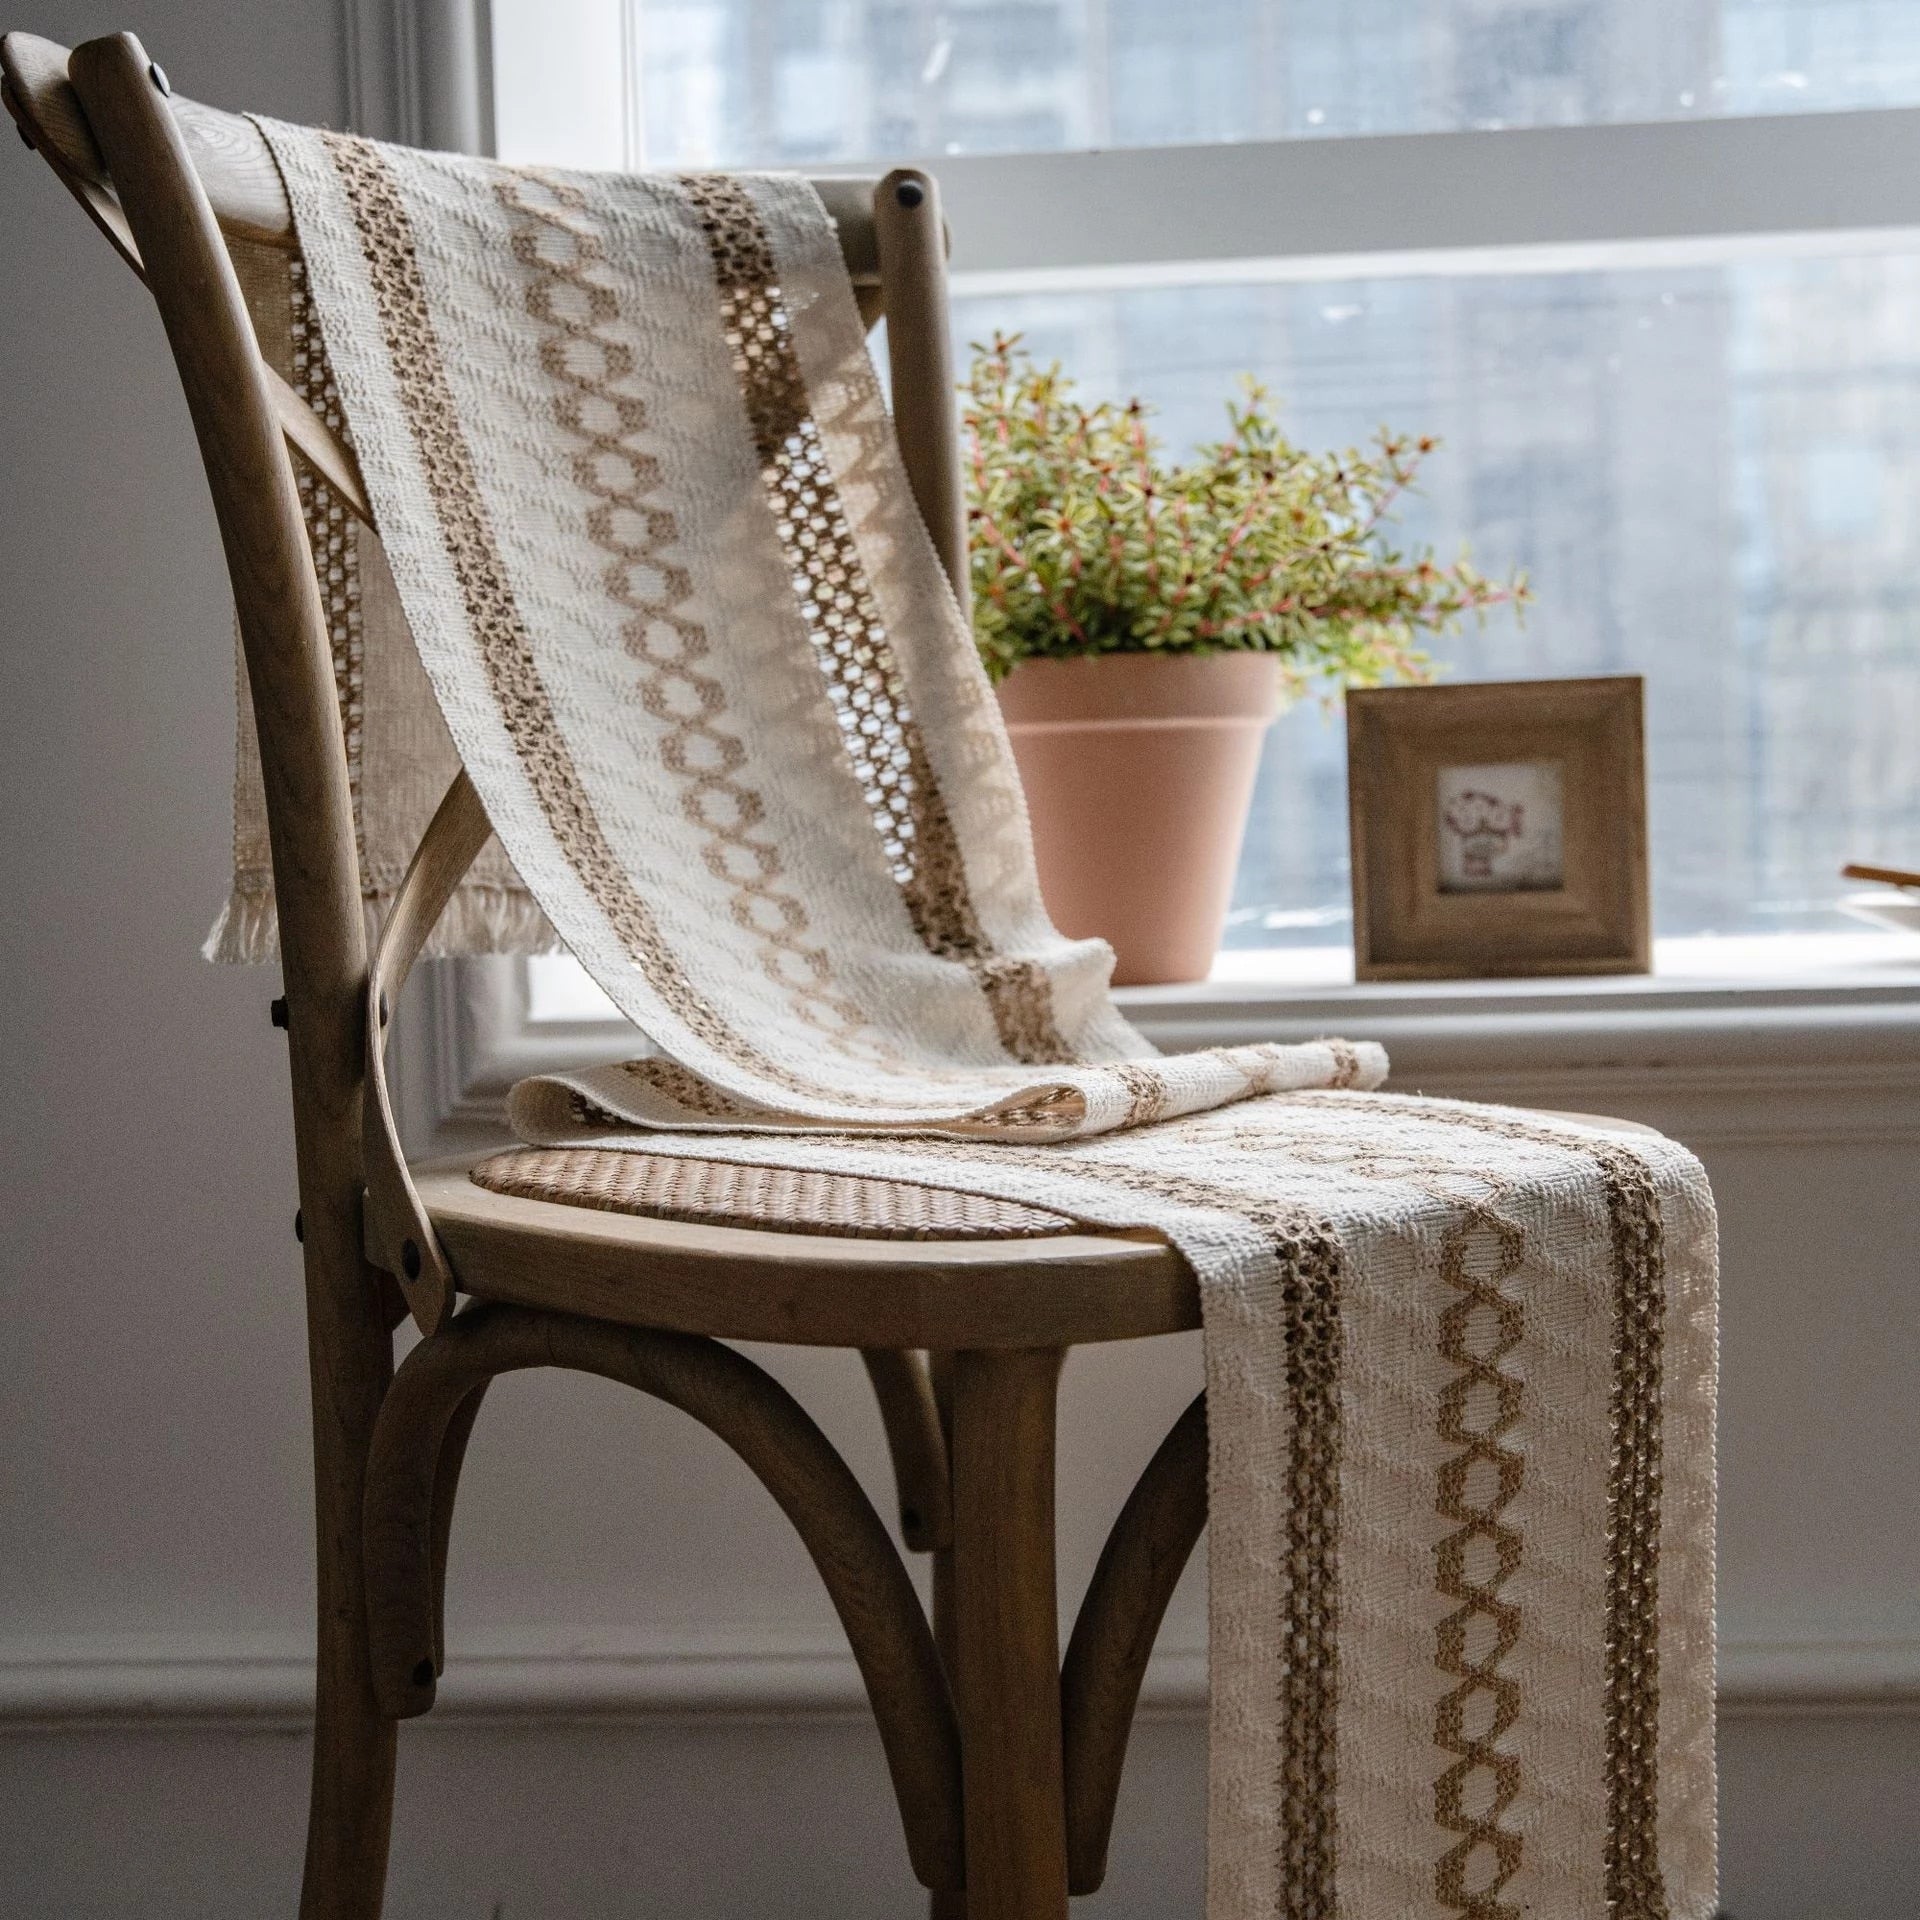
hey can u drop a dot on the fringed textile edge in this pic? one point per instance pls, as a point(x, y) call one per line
point(480, 918)
point(247, 932)
point(483, 918)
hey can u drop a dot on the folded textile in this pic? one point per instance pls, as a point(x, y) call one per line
point(643, 506)
point(645, 514)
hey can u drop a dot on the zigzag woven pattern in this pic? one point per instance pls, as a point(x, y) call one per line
point(644, 511)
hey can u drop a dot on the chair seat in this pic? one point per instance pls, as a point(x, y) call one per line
point(754, 1253)
point(1030, 1280)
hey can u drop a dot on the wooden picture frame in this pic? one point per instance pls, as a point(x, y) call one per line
point(1499, 829)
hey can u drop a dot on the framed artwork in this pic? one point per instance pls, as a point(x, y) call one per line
point(1498, 829)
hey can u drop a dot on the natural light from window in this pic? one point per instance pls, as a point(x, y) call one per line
point(1711, 470)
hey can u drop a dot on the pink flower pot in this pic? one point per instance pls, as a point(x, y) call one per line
point(1139, 771)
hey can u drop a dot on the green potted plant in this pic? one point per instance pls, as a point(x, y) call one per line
point(1146, 621)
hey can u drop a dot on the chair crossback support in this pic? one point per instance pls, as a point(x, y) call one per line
point(168, 181)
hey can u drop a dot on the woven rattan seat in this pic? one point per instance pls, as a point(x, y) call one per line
point(776, 1199)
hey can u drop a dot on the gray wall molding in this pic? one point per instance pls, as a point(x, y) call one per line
point(1830, 1061)
point(749, 1675)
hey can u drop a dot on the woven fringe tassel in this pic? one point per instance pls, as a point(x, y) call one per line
point(478, 919)
point(247, 933)
point(486, 919)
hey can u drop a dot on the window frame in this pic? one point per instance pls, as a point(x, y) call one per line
point(1840, 1046)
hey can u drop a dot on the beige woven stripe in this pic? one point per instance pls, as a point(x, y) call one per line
point(1636, 1886)
point(413, 348)
point(1311, 1262)
point(1635, 1883)
point(1019, 995)
point(334, 541)
point(722, 1193)
point(1146, 1093)
point(849, 637)
point(1346, 1063)
point(1310, 1700)
point(1477, 1481)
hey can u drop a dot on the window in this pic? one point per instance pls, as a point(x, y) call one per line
point(816, 82)
point(1680, 389)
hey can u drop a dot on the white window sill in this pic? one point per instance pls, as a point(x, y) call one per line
point(1802, 1037)
point(1788, 1038)
point(1710, 962)
point(1274, 987)
point(1694, 982)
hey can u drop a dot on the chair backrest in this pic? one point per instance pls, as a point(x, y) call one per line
point(170, 182)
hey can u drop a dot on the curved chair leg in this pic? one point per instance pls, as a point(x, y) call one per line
point(903, 1386)
point(350, 1812)
point(945, 1903)
point(412, 1473)
point(446, 1487)
point(1148, 1548)
point(1007, 1633)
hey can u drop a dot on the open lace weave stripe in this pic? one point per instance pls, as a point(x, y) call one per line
point(645, 513)
point(849, 635)
point(628, 533)
point(493, 615)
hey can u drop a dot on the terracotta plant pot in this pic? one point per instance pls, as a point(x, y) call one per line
point(1139, 771)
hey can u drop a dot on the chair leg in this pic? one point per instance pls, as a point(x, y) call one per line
point(446, 1487)
point(350, 1813)
point(948, 1905)
point(1007, 1634)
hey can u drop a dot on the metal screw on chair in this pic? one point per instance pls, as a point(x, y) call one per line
point(158, 75)
point(909, 193)
point(410, 1259)
point(299, 1224)
point(277, 1012)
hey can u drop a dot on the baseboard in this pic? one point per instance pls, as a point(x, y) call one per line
point(745, 1676)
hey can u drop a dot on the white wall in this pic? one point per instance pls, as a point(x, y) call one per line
point(154, 1559)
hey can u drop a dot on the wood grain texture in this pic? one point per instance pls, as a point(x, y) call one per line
point(912, 252)
point(804, 1289)
point(316, 876)
point(945, 1903)
point(766, 1427)
point(226, 152)
point(398, 1231)
point(446, 1493)
point(1007, 1633)
point(1405, 927)
point(917, 1444)
point(1149, 1546)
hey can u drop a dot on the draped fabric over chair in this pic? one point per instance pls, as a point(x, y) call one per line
point(595, 514)
point(644, 512)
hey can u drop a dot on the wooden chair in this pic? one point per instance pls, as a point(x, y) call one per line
point(1005, 1759)
point(1005, 1762)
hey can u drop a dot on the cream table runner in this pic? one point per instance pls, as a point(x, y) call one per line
point(644, 513)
